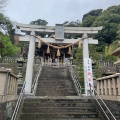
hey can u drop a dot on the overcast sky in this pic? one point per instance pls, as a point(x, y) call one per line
point(53, 11)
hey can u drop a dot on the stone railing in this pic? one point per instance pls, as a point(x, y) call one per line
point(10, 59)
point(106, 67)
point(8, 86)
point(15, 59)
point(108, 87)
point(106, 63)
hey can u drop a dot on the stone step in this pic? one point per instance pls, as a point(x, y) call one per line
point(52, 76)
point(60, 115)
point(56, 88)
point(64, 119)
point(57, 109)
point(55, 85)
point(66, 99)
point(55, 81)
point(55, 91)
point(60, 94)
point(50, 104)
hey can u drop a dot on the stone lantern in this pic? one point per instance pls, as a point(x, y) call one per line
point(20, 62)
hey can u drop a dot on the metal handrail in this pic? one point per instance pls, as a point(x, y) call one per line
point(20, 98)
point(75, 79)
point(94, 93)
point(34, 85)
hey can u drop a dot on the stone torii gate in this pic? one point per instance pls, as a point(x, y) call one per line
point(59, 30)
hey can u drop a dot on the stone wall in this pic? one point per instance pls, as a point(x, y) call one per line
point(114, 106)
point(8, 93)
point(108, 88)
point(2, 111)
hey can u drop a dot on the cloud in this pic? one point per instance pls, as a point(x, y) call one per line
point(53, 11)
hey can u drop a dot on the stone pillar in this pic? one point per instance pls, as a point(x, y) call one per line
point(11, 85)
point(109, 86)
point(105, 87)
point(10, 88)
point(98, 87)
point(85, 55)
point(7, 91)
point(114, 86)
point(101, 85)
point(118, 85)
point(29, 70)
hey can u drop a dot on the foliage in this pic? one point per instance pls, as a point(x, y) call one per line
point(118, 33)
point(5, 23)
point(9, 48)
point(39, 22)
point(90, 17)
point(89, 20)
point(78, 61)
point(72, 23)
point(24, 48)
point(109, 19)
point(92, 13)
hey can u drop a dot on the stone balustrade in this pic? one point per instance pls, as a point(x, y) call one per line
point(106, 63)
point(108, 87)
point(8, 85)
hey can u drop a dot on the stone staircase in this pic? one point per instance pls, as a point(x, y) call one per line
point(55, 81)
point(57, 99)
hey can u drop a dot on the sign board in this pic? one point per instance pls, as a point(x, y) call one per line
point(59, 32)
point(88, 73)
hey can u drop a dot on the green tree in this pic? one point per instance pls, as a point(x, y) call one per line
point(5, 23)
point(109, 19)
point(88, 21)
point(89, 18)
point(118, 33)
point(78, 61)
point(72, 23)
point(39, 22)
point(92, 13)
point(9, 48)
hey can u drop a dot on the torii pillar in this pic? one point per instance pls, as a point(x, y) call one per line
point(29, 70)
point(87, 63)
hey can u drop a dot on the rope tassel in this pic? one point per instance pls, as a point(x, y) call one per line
point(69, 51)
point(79, 44)
point(58, 52)
point(39, 44)
point(48, 49)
